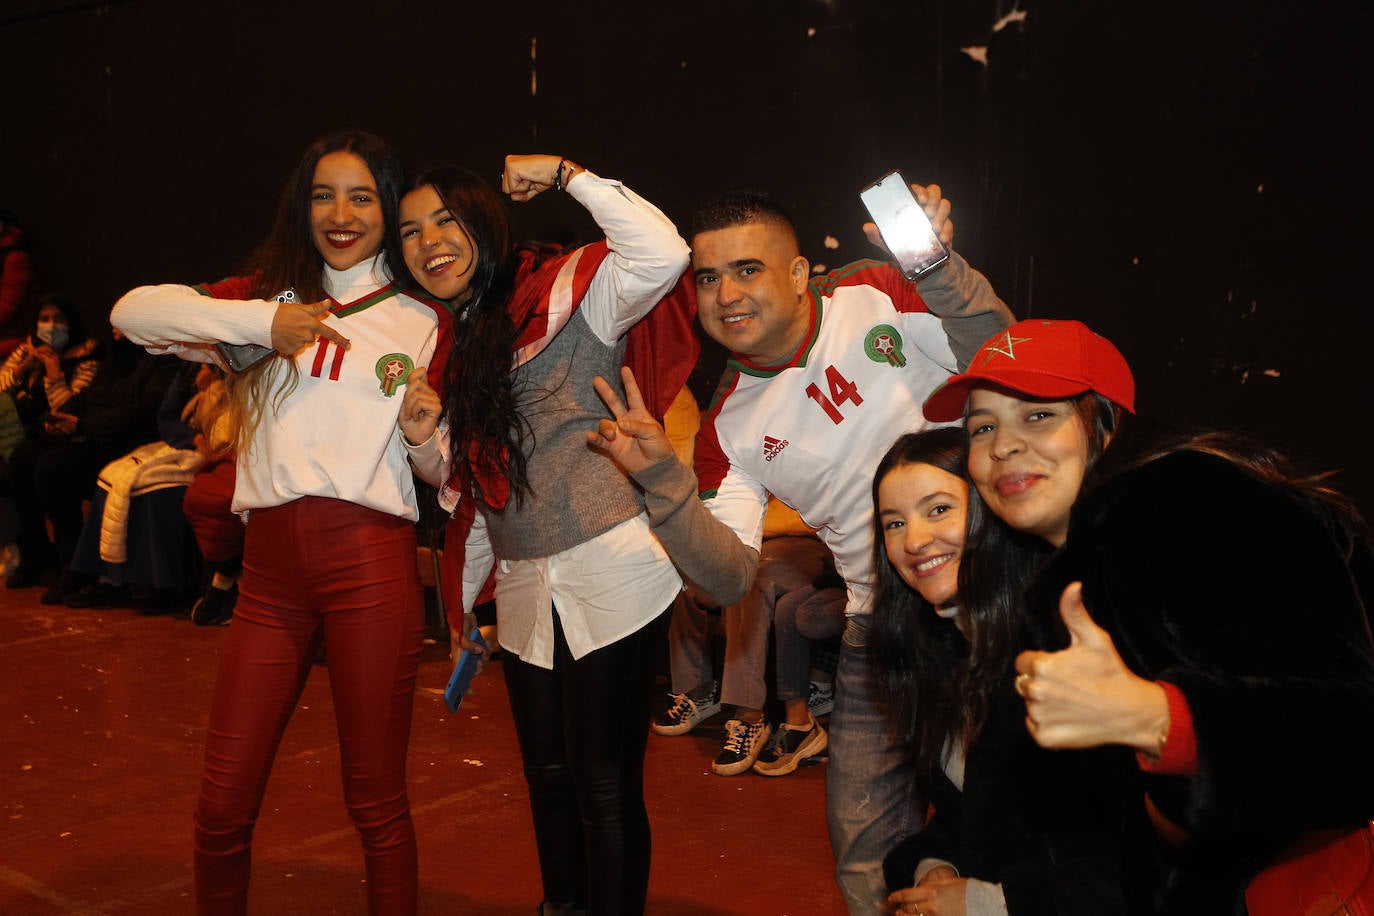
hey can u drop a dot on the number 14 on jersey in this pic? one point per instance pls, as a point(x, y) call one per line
point(841, 390)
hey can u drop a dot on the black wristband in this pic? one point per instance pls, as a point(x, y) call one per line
point(558, 176)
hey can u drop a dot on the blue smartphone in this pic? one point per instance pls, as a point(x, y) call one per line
point(463, 672)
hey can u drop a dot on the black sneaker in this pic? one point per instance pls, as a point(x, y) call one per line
point(215, 608)
point(687, 712)
point(69, 583)
point(743, 742)
point(820, 699)
point(27, 575)
point(99, 594)
point(791, 745)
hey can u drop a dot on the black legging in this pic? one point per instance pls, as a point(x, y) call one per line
point(582, 729)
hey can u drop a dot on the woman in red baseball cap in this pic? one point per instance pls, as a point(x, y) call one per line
point(1200, 603)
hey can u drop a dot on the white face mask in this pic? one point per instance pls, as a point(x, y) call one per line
point(53, 334)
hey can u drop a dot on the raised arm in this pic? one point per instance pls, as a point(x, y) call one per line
point(969, 309)
point(647, 254)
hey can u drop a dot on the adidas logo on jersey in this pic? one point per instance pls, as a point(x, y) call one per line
point(772, 447)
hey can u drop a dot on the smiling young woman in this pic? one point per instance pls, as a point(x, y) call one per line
point(583, 585)
point(329, 554)
point(1029, 458)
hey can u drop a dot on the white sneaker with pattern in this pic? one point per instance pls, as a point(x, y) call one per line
point(743, 742)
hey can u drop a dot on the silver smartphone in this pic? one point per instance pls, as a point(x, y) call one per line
point(904, 225)
point(241, 357)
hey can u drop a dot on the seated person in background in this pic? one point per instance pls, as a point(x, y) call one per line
point(53, 473)
point(41, 374)
point(791, 558)
point(49, 365)
point(690, 640)
point(135, 533)
point(811, 614)
point(208, 507)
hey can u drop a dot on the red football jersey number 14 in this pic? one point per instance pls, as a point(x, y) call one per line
point(841, 390)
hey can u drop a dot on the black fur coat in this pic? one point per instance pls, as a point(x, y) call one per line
point(1248, 599)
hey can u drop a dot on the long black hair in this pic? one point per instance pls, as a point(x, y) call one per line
point(940, 677)
point(288, 258)
point(486, 428)
point(1313, 490)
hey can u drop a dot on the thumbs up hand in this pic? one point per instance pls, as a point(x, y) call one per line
point(1085, 696)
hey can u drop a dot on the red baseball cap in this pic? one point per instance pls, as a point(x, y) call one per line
point(1041, 359)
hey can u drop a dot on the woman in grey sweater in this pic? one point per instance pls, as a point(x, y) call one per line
point(582, 585)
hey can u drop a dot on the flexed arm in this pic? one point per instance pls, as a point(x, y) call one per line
point(647, 254)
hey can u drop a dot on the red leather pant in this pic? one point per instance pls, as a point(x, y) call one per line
point(316, 569)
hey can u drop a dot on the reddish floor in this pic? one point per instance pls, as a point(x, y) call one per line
point(103, 717)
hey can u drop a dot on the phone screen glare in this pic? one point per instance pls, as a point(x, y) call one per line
point(918, 242)
point(904, 226)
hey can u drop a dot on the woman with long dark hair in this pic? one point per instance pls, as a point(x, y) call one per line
point(583, 586)
point(1201, 606)
point(1015, 829)
point(325, 483)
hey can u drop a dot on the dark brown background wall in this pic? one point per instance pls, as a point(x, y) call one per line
point(1188, 178)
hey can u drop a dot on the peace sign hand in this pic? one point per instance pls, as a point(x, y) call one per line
point(634, 439)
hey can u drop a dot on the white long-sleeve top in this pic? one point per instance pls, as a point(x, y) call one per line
point(334, 434)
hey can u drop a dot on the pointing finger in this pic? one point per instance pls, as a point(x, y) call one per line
point(327, 332)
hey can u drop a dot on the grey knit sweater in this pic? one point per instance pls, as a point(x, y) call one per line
point(577, 493)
